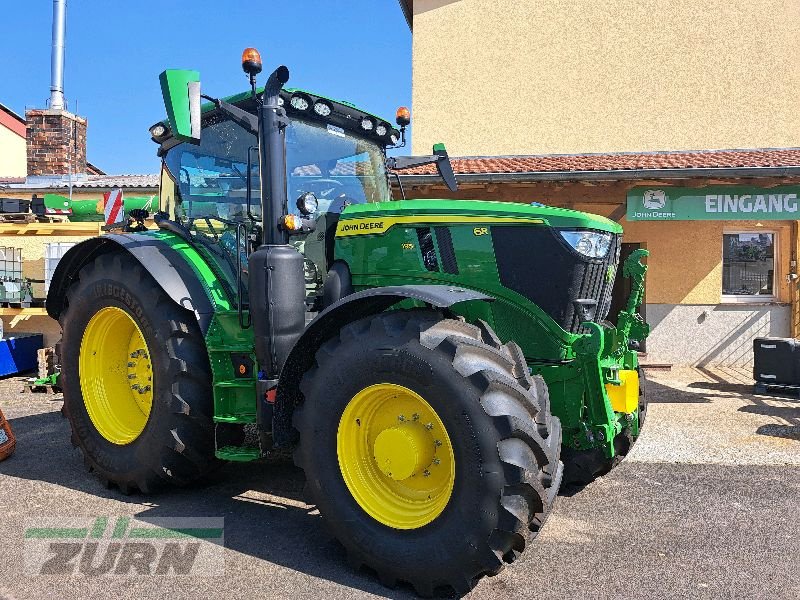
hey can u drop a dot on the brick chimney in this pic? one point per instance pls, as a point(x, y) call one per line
point(56, 142)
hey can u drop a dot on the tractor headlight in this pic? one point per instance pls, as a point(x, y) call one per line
point(592, 244)
point(307, 203)
point(299, 102)
point(323, 109)
point(381, 130)
point(158, 130)
point(367, 124)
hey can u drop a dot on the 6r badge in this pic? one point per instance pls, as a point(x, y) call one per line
point(480, 231)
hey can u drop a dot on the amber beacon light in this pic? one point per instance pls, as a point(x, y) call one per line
point(251, 61)
point(403, 116)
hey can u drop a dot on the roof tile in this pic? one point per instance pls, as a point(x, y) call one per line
point(703, 159)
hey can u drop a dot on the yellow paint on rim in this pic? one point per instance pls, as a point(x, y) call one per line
point(380, 225)
point(395, 456)
point(116, 375)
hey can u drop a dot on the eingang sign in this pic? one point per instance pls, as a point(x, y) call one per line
point(714, 203)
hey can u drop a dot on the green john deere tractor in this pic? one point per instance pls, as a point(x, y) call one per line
point(423, 360)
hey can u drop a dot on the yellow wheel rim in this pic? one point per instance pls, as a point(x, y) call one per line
point(116, 375)
point(395, 456)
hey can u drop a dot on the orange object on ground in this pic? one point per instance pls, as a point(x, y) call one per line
point(7, 440)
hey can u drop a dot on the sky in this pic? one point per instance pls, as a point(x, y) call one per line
point(354, 50)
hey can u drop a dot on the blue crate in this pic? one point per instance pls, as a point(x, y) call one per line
point(18, 353)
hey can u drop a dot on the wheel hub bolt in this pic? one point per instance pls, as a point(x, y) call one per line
point(436, 461)
point(426, 473)
point(132, 376)
point(428, 426)
point(401, 418)
point(131, 364)
point(415, 416)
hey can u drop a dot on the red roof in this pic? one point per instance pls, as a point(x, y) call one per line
point(702, 159)
point(12, 121)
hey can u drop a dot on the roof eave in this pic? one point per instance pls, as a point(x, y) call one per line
point(608, 175)
point(408, 12)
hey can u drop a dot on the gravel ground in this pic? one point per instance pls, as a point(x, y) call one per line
point(705, 507)
point(702, 416)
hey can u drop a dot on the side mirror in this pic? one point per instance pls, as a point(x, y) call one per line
point(180, 89)
point(445, 168)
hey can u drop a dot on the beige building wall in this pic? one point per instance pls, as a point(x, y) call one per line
point(12, 154)
point(555, 76)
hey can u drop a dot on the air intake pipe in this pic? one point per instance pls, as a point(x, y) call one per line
point(276, 282)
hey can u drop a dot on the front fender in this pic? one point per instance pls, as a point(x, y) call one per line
point(337, 315)
point(167, 266)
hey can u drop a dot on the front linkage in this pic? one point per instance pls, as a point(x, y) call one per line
point(600, 386)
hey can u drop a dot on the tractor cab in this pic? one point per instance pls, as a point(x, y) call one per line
point(335, 157)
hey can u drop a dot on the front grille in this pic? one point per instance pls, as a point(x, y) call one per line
point(538, 264)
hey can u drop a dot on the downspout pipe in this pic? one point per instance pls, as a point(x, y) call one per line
point(57, 55)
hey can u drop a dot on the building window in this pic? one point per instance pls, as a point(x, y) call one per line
point(748, 266)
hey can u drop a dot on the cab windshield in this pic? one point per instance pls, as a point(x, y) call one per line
point(339, 168)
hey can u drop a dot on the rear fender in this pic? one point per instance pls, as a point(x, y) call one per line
point(168, 267)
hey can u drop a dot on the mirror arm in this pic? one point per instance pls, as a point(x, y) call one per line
point(398, 163)
point(440, 158)
point(237, 115)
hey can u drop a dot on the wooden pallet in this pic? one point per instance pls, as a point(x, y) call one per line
point(17, 218)
point(774, 389)
point(16, 305)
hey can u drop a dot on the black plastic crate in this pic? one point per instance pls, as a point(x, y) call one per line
point(776, 361)
point(14, 205)
point(37, 206)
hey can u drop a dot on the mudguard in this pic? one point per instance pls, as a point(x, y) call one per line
point(332, 319)
point(167, 266)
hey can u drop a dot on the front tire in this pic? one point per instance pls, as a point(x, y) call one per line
point(136, 379)
point(446, 490)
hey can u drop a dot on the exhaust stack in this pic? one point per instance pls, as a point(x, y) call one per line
point(57, 55)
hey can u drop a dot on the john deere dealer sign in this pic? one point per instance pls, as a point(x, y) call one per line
point(734, 203)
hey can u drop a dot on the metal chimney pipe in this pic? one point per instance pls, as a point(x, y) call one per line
point(57, 55)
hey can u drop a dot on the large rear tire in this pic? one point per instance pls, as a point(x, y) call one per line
point(428, 448)
point(136, 379)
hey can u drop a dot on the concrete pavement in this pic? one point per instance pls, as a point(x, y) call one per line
point(703, 509)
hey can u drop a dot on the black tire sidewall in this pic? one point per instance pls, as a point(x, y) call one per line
point(129, 461)
point(472, 511)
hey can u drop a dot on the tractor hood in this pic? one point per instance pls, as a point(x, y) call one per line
point(405, 211)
